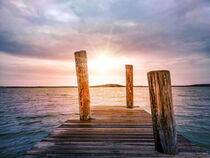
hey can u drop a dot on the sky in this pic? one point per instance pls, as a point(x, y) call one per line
point(38, 39)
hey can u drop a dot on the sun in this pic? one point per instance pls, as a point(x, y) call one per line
point(105, 66)
point(103, 62)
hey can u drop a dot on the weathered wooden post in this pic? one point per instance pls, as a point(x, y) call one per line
point(164, 126)
point(129, 85)
point(83, 85)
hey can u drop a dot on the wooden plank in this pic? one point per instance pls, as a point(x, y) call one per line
point(107, 123)
point(114, 132)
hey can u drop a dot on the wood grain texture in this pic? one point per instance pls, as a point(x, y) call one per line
point(83, 84)
point(129, 86)
point(164, 126)
point(107, 135)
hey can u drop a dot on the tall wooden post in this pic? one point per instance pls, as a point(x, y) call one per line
point(129, 85)
point(164, 126)
point(83, 85)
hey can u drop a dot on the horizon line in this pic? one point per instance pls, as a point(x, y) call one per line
point(102, 85)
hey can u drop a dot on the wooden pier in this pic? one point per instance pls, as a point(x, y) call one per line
point(113, 131)
point(119, 131)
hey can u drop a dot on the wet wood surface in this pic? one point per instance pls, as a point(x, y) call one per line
point(113, 131)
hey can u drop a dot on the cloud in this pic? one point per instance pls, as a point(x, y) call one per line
point(55, 29)
point(61, 16)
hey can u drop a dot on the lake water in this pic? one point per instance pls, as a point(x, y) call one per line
point(27, 115)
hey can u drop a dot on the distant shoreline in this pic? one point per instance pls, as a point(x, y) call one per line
point(103, 86)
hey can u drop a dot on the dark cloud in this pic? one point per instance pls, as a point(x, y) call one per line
point(11, 46)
